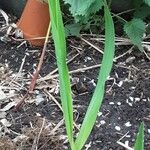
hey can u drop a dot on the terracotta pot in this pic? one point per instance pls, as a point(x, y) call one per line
point(34, 22)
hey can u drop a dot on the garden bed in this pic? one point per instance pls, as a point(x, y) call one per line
point(39, 125)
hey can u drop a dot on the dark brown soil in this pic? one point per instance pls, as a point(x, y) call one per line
point(126, 103)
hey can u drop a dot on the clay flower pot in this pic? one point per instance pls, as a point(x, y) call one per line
point(34, 22)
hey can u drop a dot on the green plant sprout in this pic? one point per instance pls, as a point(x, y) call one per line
point(139, 143)
point(58, 34)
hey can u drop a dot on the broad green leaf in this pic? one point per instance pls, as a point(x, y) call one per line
point(73, 29)
point(135, 30)
point(58, 35)
point(147, 2)
point(142, 12)
point(91, 114)
point(139, 143)
point(82, 8)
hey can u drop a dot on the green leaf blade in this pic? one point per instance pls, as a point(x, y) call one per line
point(58, 35)
point(139, 143)
point(97, 98)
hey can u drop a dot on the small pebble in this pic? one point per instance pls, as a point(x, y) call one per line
point(128, 136)
point(37, 92)
point(27, 54)
point(102, 122)
point(117, 128)
point(120, 83)
point(127, 101)
point(38, 114)
point(148, 130)
point(87, 58)
point(7, 65)
point(2, 68)
point(39, 99)
point(137, 99)
point(130, 104)
point(111, 103)
point(34, 65)
point(132, 87)
point(93, 82)
point(128, 124)
point(99, 114)
point(84, 79)
point(119, 103)
point(131, 98)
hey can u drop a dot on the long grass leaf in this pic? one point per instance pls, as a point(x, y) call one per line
point(97, 98)
point(139, 143)
point(58, 35)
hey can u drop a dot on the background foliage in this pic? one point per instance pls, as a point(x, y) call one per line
point(86, 14)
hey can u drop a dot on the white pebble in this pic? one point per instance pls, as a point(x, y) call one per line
point(127, 101)
point(131, 98)
point(130, 104)
point(27, 54)
point(37, 92)
point(6, 65)
point(137, 99)
point(119, 103)
point(93, 82)
point(84, 79)
point(117, 128)
point(120, 83)
point(34, 65)
point(102, 122)
point(38, 114)
point(89, 58)
point(128, 136)
point(132, 87)
point(128, 124)
point(148, 130)
point(111, 103)
point(39, 99)
point(2, 68)
point(99, 114)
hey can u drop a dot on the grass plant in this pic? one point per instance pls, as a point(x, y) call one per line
point(139, 143)
point(58, 34)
